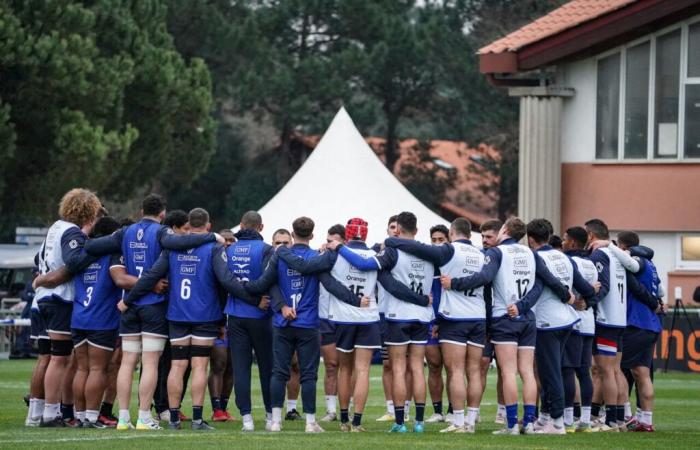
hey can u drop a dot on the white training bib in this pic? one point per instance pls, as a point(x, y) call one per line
point(612, 310)
point(417, 274)
point(469, 305)
point(515, 277)
point(550, 312)
point(362, 283)
point(51, 258)
point(587, 269)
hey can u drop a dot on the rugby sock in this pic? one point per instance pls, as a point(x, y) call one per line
point(611, 415)
point(91, 415)
point(51, 411)
point(472, 413)
point(390, 407)
point(647, 418)
point(32, 406)
point(124, 415)
point(399, 415)
point(67, 411)
point(174, 415)
point(628, 410)
point(215, 403)
point(197, 413)
point(501, 410)
point(577, 411)
point(224, 403)
point(529, 414)
point(420, 412)
point(585, 414)
point(106, 409)
point(595, 409)
point(344, 416)
point(145, 416)
point(291, 404)
point(277, 415)
point(310, 418)
point(357, 419)
point(38, 408)
point(80, 415)
point(458, 418)
point(620, 413)
point(512, 415)
point(450, 410)
point(437, 407)
point(568, 416)
point(330, 403)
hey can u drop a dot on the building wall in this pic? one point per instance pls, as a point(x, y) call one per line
point(578, 112)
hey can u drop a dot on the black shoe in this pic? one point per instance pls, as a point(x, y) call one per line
point(201, 425)
point(98, 424)
point(55, 423)
point(175, 425)
point(293, 415)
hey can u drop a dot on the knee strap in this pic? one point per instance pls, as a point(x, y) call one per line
point(201, 351)
point(131, 346)
point(44, 346)
point(61, 348)
point(180, 352)
point(152, 344)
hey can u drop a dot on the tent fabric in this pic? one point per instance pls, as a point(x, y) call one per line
point(341, 179)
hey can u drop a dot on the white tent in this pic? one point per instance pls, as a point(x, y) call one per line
point(342, 179)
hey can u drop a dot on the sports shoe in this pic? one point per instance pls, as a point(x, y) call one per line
point(643, 428)
point(509, 431)
point(451, 429)
point(471, 429)
point(32, 422)
point(570, 428)
point(123, 425)
point(449, 418)
point(57, 422)
point(175, 425)
point(73, 423)
point(631, 424)
point(97, 424)
point(182, 416)
point(293, 415)
point(248, 426)
point(418, 427)
point(539, 425)
point(528, 429)
point(500, 419)
point(148, 424)
point(229, 417)
point(360, 429)
point(109, 422)
point(387, 417)
point(329, 417)
point(583, 427)
point(219, 416)
point(345, 427)
point(313, 427)
point(201, 425)
point(435, 418)
point(605, 428)
point(396, 428)
point(275, 427)
point(163, 416)
point(550, 428)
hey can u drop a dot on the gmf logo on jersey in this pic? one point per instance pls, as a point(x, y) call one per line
point(188, 269)
point(417, 265)
point(139, 234)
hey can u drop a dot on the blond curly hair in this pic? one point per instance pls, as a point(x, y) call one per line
point(79, 206)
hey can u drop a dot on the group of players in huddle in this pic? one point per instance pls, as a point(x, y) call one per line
point(557, 317)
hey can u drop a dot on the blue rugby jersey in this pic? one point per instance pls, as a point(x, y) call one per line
point(141, 248)
point(193, 294)
point(96, 296)
point(246, 259)
point(298, 291)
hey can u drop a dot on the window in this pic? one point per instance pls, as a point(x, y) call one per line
point(608, 101)
point(689, 252)
point(648, 97)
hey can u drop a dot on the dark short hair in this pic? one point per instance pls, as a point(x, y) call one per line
point(407, 221)
point(598, 228)
point(578, 235)
point(153, 205)
point(251, 219)
point(491, 225)
point(227, 231)
point(392, 219)
point(281, 231)
point(549, 225)
point(515, 228)
point(198, 217)
point(555, 241)
point(337, 229)
point(628, 238)
point(176, 218)
point(104, 227)
point(538, 230)
point(462, 226)
point(303, 227)
point(439, 228)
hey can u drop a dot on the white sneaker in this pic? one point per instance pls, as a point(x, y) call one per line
point(164, 416)
point(528, 429)
point(540, 425)
point(471, 429)
point(508, 431)
point(248, 426)
point(275, 427)
point(549, 428)
point(313, 427)
point(435, 418)
point(329, 417)
point(387, 417)
point(451, 429)
point(32, 422)
point(449, 418)
point(500, 419)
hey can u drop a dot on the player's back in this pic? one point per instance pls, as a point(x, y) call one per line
point(514, 278)
point(193, 292)
point(362, 283)
point(141, 249)
point(51, 258)
point(299, 291)
point(96, 296)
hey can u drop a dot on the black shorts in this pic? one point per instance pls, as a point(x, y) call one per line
point(104, 339)
point(522, 333)
point(405, 333)
point(327, 332)
point(462, 332)
point(145, 319)
point(639, 347)
point(199, 330)
point(38, 328)
point(56, 315)
point(382, 334)
point(489, 352)
point(608, 340)
point(350, 337)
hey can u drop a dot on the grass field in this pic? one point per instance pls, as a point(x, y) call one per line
point(677, 419)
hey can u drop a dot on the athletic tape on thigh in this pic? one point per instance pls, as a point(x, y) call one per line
point(200, 351)
point(44, 346)
point(153, 344)
point(61, 348)
point(131, 346)
point(180, 352)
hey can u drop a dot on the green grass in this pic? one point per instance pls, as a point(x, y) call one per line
point(676, 417)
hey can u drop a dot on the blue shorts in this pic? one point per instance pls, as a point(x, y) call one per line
point(405, 333)
point(38, 328)
point(462, 332)
point(522, 333)
point(608, 340)
point(104, 339)
point(327, 331)
point(349, 337)
point(199, 330)
point(145, 319)
point(489, 351)
point(432, 340)
point(639, 348)
point(56, 315)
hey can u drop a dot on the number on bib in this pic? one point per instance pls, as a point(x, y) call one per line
point(522, 286)
point(186, 289)
point(88, 292)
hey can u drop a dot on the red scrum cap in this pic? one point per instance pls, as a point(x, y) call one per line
point(356, 228)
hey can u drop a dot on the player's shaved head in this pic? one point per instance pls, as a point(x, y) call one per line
point(598, 229)
point(461, 227)
point(198, 218)
point(251, 219)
